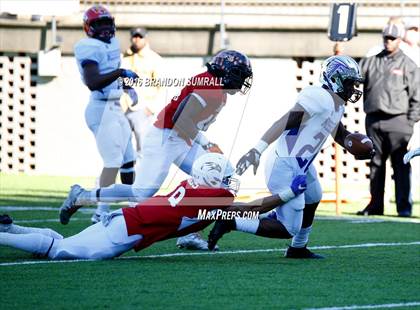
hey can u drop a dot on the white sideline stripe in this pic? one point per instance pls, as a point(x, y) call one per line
point(40, 208)
point(407, 304)
point(325, 247)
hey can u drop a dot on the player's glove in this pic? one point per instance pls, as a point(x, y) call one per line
point(298, 184)
point(366, 156)
point(125, 73)
point(250, 158)
point(128, 78)
point(297, 187)
point(212, 148)
point(411, 154)
point(133, 95)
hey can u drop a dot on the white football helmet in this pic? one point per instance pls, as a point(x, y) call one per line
point(214, 170)
point(341, 74)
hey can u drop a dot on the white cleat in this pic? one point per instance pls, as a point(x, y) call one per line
point(97, 217)
point(69, 207)
point(193, 241)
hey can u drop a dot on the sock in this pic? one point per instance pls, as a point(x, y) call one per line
point(17, 229)
point(102, 208)
point(301, 238)
point(114, 193)
point(247, 225)
point(34, 242)
point(86, 198)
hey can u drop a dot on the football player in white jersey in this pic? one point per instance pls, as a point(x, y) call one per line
point(299, 136)
point(98, 59)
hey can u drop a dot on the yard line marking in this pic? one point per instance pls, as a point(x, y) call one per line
point(362, 220)
point(324, 247)
point(407, 304)
point(48, 220)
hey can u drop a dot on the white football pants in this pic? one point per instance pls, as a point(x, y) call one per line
point(279, 174)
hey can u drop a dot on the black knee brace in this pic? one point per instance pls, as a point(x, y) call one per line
point(127, 173)
point(309, 214)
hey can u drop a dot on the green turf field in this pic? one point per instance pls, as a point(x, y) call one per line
point(369, 262)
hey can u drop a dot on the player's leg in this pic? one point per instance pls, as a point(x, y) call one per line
point(127, 172)
point(99, 241)
point(159, 151)
point(313, 195)
point(402, 173)
point(35, 243)
point(139, 123)
point(285, 222)
point(377, 168)
point(106, 120)
point(7, 226)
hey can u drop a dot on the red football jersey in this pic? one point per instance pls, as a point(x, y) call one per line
point(208, 90)
point(174, 215)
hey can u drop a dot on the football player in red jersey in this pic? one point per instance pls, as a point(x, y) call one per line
point(158, 218)
point(177, 135)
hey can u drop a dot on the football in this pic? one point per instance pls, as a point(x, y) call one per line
point(358, 144)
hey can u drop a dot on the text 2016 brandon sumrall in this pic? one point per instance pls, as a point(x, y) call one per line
point(171, 82)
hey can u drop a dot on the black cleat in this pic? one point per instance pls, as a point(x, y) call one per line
point(5, 222)
point(5, 219)
point(219, 229)
point(292, 252)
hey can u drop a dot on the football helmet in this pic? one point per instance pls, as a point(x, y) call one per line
point(234, 68)
point(98, 23)
point(341, 74)
point(214, 170)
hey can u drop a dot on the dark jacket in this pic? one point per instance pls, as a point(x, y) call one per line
point(391, 85)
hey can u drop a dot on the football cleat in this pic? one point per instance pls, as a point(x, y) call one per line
point(304, 252)
point(219, 229)
point(69, 207)
point(97, 217)
point(192, 242)
point(5, 222)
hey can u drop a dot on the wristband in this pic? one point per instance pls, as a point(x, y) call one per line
point(286, 195)
point(261, 146)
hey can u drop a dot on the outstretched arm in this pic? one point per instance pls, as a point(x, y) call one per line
point(294, 118)
point(265, 227)
point(96, 81)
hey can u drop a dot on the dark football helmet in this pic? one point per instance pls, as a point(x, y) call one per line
point(234, 68)
point(342, 75)
point(98, 23)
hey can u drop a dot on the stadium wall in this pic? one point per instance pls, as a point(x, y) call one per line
point(51, 137)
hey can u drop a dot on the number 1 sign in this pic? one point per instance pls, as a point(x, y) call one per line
point(342, 22)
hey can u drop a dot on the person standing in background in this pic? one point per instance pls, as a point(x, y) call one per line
point(140, 58)
point(391, 104)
